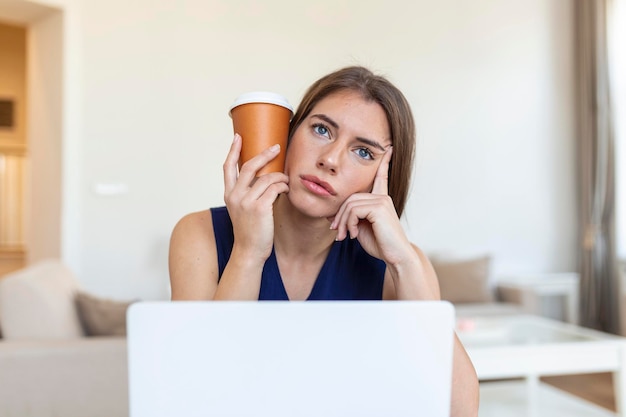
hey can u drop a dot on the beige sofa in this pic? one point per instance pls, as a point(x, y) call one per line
point(468, 284)
point(48, 365)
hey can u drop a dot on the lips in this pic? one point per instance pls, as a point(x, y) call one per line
point(317, 186)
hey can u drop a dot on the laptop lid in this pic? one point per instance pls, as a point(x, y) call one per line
point(290, 359)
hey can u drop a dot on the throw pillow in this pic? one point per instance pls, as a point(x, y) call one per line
point(37, 303)
point(100, 316)
point(464, 281)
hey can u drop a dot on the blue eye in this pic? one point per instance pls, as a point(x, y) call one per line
point(364, 153)
point(321, 130)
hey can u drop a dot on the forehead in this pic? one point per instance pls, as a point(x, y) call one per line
point(351, 111)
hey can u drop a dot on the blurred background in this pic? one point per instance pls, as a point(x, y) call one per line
point(121, 125)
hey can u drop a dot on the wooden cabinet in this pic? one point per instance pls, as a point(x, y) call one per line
point(11, 259)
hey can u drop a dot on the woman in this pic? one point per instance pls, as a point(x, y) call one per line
point(328, 227)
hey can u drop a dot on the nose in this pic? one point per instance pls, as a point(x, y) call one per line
point(329, 158)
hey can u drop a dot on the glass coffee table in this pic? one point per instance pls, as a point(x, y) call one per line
point(526, 346)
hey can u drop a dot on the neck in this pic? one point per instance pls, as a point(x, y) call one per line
point(298, 235)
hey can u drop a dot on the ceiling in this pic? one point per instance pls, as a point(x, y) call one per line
point(23, 12)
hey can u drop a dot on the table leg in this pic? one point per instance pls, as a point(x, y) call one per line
point(532, 390)
point(531, 302)
point(619, 384)
point(572, 305)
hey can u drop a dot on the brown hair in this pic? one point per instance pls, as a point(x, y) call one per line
point(378, 89)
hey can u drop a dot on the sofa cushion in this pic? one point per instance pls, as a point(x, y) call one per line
point(464, 281)
point(101, 316)
point(37, 302)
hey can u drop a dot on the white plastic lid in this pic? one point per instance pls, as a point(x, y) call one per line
point(261, 97)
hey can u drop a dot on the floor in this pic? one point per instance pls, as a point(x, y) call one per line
point(558, 396)
point(597, 388)
point(511, 398)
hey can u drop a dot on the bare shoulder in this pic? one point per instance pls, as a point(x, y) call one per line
point(199, 221)
point(194, 232)
point(193, 257)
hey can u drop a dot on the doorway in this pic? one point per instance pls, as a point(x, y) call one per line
point(13, 146)
point(31, 150)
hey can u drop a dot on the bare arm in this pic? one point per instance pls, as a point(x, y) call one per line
point(193, 258)
point(372, 219)
point(420, 282)
point(194, 266)
point(465, 394)
point(193, 263)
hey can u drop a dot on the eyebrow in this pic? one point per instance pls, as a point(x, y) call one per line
point(334, 124)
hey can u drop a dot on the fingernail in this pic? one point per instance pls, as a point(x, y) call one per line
point(275, 148)
point(236, 137)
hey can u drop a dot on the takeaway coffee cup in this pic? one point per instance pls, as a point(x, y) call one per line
point(262, 120)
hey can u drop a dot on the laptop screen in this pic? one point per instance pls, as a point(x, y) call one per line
point(290, 359)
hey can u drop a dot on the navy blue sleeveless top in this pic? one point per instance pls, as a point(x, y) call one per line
point(349, 273)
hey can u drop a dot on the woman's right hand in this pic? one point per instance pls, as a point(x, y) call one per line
point(250, 201)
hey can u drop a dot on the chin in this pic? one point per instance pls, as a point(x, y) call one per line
point(312, 207)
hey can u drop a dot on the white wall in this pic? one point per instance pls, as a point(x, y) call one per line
point(497, 161)
point(150, 82)
point(45, 135)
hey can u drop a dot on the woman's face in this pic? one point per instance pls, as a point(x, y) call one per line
point(335, 152)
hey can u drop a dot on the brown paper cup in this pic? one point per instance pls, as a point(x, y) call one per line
point(262, 120)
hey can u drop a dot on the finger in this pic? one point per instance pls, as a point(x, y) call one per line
point(337, 218)
point(356, 208)
point(348, 225)
point(249, 170)
point(359, 214)
point(342, 216)
point(272, 192)
point(381, 180)
point(248, 196)
point(230, 164)
point(264, 182)
point(353, 225)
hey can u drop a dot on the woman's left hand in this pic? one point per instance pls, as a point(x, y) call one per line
point(372, 219)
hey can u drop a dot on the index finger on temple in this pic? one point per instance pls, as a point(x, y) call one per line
point(382, 174)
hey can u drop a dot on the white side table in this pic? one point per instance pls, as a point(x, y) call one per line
point(529, 290)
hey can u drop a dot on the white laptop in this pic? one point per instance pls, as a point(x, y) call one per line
point(290, 359)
